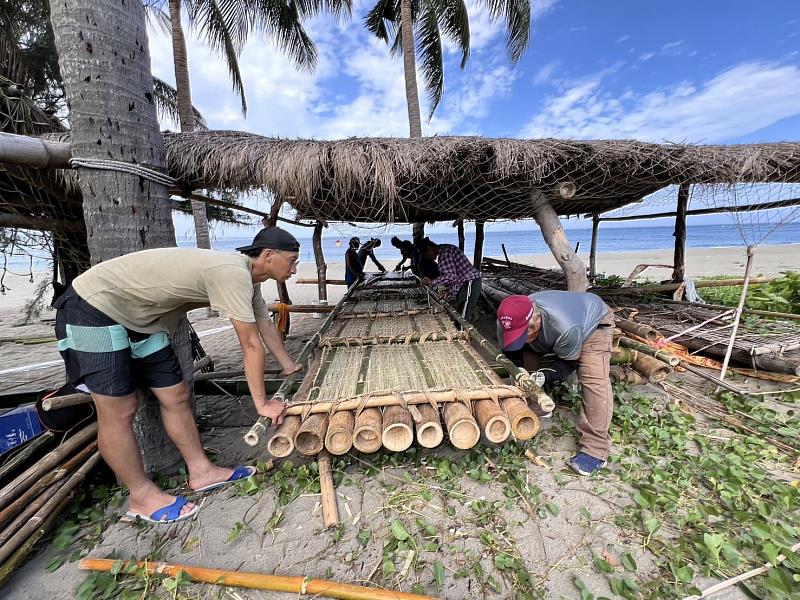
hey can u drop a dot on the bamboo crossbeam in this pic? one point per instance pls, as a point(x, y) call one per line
point(640, 329)
point(302, 308)
point(432, 336)
point(233, 374)
point(45, 464)
point(260, 426)
point(315, 281)
point(661, 355)
point(390, 398)
point(259, 581)
point(710, 211)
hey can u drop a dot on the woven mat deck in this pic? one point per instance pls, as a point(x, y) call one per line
point(396, 305)
point(398, 326)
point(349, 372)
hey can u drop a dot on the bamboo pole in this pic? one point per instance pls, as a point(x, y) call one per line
point(302, 308)
point(746, 311)
point(46, 508)
point(462, 428)
point(431, 336)
point(281, 444)
point(429, 426)
point(20, 553)
point(661, 355)
point(312, 281)
point(330, 512)
point(493, 421)
point(671, 287)
point(640, 329)
point(260, 426)
point(737, 317)
point(524, 423)
point(623, 356)
point(310, 437)
point(258, 581)
point(24, 453)
point(593, 250)
point(651, 367)
point(229, 374)
point(45, 464)
point(398, 428)
point(368, 430)
point(339, 437)
point(41, 484)
point(622, 375)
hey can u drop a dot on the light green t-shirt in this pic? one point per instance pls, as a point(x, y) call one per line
point(151, 290)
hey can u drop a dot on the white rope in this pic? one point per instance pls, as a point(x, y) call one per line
point(122, 167)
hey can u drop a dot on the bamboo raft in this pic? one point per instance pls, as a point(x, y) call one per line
point(389, 371)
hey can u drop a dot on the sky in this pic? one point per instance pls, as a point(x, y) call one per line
point(715, 71)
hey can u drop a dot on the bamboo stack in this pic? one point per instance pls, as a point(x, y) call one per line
point(31, 502)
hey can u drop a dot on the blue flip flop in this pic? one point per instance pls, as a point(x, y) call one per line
point(172, 513)
point(240, 472)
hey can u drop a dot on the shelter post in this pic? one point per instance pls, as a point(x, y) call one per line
point(461, 239)
point(322, 268)
point(553, 234)
point(283, 291)
point(478, 256)
point(418, 232)
point(679, 262)
point(593, 252)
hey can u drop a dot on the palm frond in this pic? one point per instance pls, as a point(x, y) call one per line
point(454, 22)
point(157, 16)
point(282, 23)
point(429, 53)
point(166, 98)
point(517, 17)
point(383, 19)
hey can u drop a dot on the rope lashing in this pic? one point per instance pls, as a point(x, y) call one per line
point(99, 164)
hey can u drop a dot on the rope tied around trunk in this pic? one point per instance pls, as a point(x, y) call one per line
point(99, 164)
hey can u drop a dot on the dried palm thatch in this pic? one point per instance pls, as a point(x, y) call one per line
point(441, 178)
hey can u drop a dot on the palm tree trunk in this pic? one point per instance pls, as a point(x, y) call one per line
point(105, 64)
point(180, 59)
point(410, 69)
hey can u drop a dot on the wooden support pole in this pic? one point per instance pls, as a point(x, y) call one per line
point(461, 238)
point(418, 232)
point(559, 245)
point(34, 152)
point(679, 261)
point(322, 268)
point(330, 512)
point(712, 211)
point(309, 281)
point(593, 251)
point(478, 256)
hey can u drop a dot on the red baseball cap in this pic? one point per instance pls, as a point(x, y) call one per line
point(513, 316)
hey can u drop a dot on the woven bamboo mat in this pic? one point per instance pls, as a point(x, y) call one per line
point(349, 372)
point(397, 305)
point(398, 326)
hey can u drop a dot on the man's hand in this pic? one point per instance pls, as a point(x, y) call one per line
point(292, 369)
point(275, 410)
point(444, 293)
point(426, 281)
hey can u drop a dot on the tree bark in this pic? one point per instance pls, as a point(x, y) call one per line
point(410, 69)
point(679, 262)
point(478, 256)
point(593, 251)
point(105, 63)
point(322, 268)
point(180, 59)
point(461, 238)
point(559, 245)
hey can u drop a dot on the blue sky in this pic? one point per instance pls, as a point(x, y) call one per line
point(679, 71)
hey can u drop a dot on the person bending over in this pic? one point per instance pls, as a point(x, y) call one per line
point(578, 329)
point(114, 324)
point(406, 251)
point(458, 280)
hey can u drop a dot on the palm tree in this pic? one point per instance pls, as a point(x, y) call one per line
point(225, 26)
point(397, 21)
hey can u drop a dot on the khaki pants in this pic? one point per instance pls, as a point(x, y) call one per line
point(594, 364)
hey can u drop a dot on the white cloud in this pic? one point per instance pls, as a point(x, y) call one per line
point(738, 101)
point(623, 38)
point(546, 73)
point(542, 7)
point(646, 56)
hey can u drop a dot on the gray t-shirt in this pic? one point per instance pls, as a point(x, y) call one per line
point(568, 319)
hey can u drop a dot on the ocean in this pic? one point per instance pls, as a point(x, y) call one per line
point(517, 242)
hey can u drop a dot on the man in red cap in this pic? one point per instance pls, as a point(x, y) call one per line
point(578, 329)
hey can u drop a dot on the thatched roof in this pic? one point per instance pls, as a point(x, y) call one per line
point(442, 178)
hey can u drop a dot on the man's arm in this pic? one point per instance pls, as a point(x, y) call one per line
point(274, 342)
point(254, 356)
point(375, 260)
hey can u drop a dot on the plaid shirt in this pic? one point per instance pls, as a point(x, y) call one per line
point(454, 269)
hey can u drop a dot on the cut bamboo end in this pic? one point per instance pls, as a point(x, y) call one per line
point(524, 422)
point(368, 431)
point(650, 367)
point(493, 421)
point(281, 444)
point(310, 437)
point(461, 425)
point(398, 428)
point(429, 427)
point(339, 438)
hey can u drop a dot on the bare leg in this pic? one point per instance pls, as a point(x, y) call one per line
point(179, 423)
point(119, 449)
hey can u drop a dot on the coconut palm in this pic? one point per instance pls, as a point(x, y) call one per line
point(225, 26)
point(430, 21)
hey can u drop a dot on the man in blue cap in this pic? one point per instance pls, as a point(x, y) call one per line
point(113, 327)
